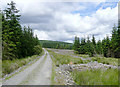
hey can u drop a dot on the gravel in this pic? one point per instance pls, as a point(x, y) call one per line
point(63, 75)
point(38, 73)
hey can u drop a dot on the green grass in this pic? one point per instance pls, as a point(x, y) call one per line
point(92, 77)
point(0, 72)
point(64, 59)
point(109, 61)
point(9, 66)
point(96, 77)
point(0, 68)
point(83, 55)
point(61, 59)
point(104, 60)
point(53, 73)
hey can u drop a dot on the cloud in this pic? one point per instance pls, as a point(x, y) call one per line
point(62, 21)
point(42, 35)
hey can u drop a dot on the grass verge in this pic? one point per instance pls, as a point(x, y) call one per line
point(9, 66)
point(0, 68)
point(53, 73)
point(96, 77)
point(64, 59)
point(104, 60)
point(0, 72)
point(58, 59)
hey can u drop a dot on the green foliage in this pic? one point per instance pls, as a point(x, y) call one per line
point(96, 77)
point(28, 42)
point(64, 59)
point(37, 49)
point(83, 47)
point(108, 47)
point(16, 42)
point(99, 47)
point(56, 44)
point(11, 31)
point(8, 66)
point(115, 42)
point(76, 45)
point(104, 60)
point(93, 41)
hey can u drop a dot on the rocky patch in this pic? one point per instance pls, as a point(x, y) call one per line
point(63, 75)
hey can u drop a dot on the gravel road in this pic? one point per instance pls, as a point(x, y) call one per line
point(38, 73)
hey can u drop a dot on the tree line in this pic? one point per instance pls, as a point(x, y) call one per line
point(17, 42)
point(108, 47)
point(56, 44)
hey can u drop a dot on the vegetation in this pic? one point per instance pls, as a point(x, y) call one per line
point(53, 73)
point(108, 47)
point(104, 60)
point(9, 66)
point(0, 68)
point(17, 42)
point(56, 44)
point(108, 61)
point(64, 59)
point(37, 49)
point(87, 77)
point(96, 77)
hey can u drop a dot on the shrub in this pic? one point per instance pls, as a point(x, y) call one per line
point(37, 49)
point(90, 54)
point(76, 52)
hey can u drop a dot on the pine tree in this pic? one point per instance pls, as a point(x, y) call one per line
point(93, 41)
point(16, 43)
point(108, 47)
point(82, 46)
point(94, 44)
point(11, 31)
point(115, 41)
point(76, 44)
point(89, 48)
point(99, 47)
point(118, 41)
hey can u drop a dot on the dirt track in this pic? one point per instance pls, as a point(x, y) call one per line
point(38, 73)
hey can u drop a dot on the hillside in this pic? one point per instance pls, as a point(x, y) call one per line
point(56, 44)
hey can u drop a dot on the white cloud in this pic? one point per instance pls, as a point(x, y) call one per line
point(42, 35)
point(55, 21)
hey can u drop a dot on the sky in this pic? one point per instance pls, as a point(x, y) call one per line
point(62, 21)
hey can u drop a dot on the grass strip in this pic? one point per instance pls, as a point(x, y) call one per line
point(9, 66)
point(96, 77)
point(104, 60)
point(64, 59)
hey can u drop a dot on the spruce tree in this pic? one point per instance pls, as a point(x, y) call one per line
point(76, 44)
point(11, 28)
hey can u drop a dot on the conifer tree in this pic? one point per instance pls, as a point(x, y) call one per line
point(12, 29)
point(76, 44)
point(16, 43)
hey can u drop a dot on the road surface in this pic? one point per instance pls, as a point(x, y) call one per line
point(38, 73)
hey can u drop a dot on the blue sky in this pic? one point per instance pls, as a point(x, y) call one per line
point(91, 8)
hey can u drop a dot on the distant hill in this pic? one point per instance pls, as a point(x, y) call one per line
point(56, 44)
